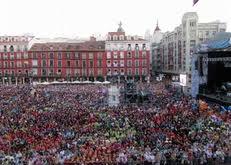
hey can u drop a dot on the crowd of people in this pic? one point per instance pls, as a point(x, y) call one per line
point(71, 124)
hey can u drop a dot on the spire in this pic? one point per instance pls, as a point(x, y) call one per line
point(157, 27)
point(120, 29)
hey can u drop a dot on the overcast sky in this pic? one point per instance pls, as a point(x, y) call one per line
point(72, 18)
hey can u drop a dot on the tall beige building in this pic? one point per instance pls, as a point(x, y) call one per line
point(177, 46)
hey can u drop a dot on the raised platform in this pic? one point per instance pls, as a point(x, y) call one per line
point(222, 100)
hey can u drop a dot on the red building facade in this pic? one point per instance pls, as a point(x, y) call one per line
point(128, 57)
point(14, 60)
point(68, 61)
point(118, 58)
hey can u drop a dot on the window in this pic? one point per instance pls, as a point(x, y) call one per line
point(91, 64)
point(122, 55)
point(137, 71)
point(44, 63)
point(144, 71)
point(44, 72)
point(12, 56)
point(129, 72)
point(51, 72)
point(115, 63)
point(129, 47)
point(84, 72)
point(59, 71)
point(108, 63)
point(19, 64)
point(5, 64)
point(77, 63)
point(144, 63)
point(68, 63)
point(51, 63)
point(84, 56)
point(129, 63)
point(91, 72)
point(68, 55)
point(59, 56)
point(90, 55)
point(122, 63)
point(12, 64)
point(26, 64)
point(99, 63)
point(121, 71)
point(100, 72)
point(5, 56)
point(115, 37)
point(192, 24)
point(109, 72)
point(144, 47)
point(59, 63)
point(84, 63)
point(137, 47)
point(43, 56)
point(144, 55)
point(34, 71)
point(68, 72)
point(6, 72)
point(76, 55)
point(34, 63)
point(222, 30)
point(18, 56)
point(207, 33)
point(77, 72)
point(11, 48)
point(137, 63)
point(25, 56)
point(109, 37)
point(137, 54)
point(51, 55)
point(100, 55)
point(192, 43)
point(115, 55)
point(108, 55)
point(5, 48)
point(35, 56)
point(184, 43)
point(18, 48)
point(129, 55)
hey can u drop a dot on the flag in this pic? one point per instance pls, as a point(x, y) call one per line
point(194, 2)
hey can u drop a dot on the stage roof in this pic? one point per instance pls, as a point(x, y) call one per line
point(219, 44)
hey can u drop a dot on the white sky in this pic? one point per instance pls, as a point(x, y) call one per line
point(72, 18)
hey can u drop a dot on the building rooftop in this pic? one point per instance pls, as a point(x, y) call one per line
point(63, 46)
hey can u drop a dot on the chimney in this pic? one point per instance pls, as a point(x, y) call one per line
point(92, 38)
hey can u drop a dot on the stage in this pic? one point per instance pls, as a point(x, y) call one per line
point(221, 100)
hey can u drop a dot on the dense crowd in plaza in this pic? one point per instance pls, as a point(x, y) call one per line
point(64, 124)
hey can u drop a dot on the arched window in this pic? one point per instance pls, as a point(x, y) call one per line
point(11, 48)
point(5, 48)
point(121, 37)
point(109, 37)
point(115, 37)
